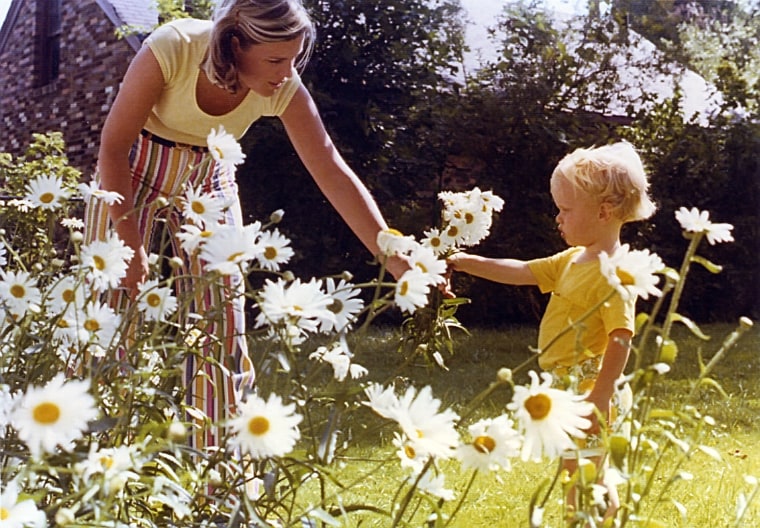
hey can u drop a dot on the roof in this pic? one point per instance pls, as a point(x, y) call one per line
point(139, 14)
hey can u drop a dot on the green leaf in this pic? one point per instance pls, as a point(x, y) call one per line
point(691, 325)
point(709, 266)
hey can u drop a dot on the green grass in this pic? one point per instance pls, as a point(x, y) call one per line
point(501, 499)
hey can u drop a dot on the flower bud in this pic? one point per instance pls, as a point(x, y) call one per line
point(745, 323)
point(77, 237)
point(504, 375)
point(175, 262)
point(161, 201)
point(177, 432)
point(65, 516)
point(276, 217)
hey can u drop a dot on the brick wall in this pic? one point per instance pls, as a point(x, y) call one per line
point(92, 62)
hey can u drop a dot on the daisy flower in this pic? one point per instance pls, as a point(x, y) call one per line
point(19, 292)
point(344, 306)
point(339, 357)
point(18, 514)
point(73, 223)
point(46, 192)
point(156, 302)
point(392, 242)
point(435, 241)
point(494, 442)
point(409, 457)
point(412, 290)
point(6, 404)
point(192, 237)
point(99, 325)
point(632, 272)
point(54, 415)
point(93, 190)
point(434, 485)
point(429, 432)
point(66, 291)
point(549, 417)
point(3, 255)
point(274, 250)
point(224, 148)
point(203, 208)
point(105, 262)
point(696, 221)
point(295, 302)
point(230, 248)
point(265, 429)
point(117, 465)
point(426, 261)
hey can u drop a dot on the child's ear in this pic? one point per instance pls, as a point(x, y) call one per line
point(605, 211)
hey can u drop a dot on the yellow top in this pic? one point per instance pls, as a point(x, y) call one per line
point(575, 289)
point(179, 46)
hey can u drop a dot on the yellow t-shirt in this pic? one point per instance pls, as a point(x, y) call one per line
point(576, 288)
point(179, 46)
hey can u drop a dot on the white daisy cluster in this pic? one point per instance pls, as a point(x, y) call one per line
point(467, 219)
point(426, 269)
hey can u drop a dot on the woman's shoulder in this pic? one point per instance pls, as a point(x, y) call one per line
point(184, 29)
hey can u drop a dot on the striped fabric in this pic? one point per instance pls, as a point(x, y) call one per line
point(220, 367)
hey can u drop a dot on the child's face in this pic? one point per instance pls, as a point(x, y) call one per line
point(579, 217)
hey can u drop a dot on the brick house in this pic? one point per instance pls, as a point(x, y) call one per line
point(62, 63)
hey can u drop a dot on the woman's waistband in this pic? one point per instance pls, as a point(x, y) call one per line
point(169, 143)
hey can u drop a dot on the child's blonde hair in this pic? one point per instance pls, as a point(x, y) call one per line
point(613, 174)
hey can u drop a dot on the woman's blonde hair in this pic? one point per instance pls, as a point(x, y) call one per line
point(613, 174)
point(254, 22)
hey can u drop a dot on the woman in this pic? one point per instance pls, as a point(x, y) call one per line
point(190, 77)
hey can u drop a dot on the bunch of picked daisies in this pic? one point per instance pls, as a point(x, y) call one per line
point(94, 427)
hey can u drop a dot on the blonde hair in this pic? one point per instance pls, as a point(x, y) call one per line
point(613, 174)
point(253, 22)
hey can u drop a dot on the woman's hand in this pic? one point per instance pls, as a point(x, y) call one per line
point(137, 272)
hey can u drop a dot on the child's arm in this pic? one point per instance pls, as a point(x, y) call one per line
point(613, 364)
point(506, 271)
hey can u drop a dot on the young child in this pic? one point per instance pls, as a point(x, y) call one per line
point(596, 191)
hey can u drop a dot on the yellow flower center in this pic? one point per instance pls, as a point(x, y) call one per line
point(469, 218)
point(219, 152)
point(91, 325)
point(68, 296)
point(106, 462)
point(100, 263)
point(270, 253)
point(394, 232)
point(197, 207)
point(46, 413)
point(153, 300)
point(409, 451)
point(484, 444)
point(47, 197)
point(336, 306)
point(235, 257)
point(538, 406)
point(403, 288)
point(18, 291)
point(452, 231)
point(4, 513)
point(206, 234)
point(626, 279)
point(421, 266)
point(258, 425)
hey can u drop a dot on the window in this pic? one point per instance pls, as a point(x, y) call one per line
point(48, 45)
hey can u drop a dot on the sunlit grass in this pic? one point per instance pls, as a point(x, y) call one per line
point(502, 499)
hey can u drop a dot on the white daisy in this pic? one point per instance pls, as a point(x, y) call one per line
point(105, 262)
point(76, 224)
point(168, 493)
point(549, 417)
point(66, 291)
point(46, 192)
point(19, 293)
point(18, 514)
point(345, 305)
point(493, 443)
point(296, 303)
point(393, 242)
point(409, 457)
point(224, 148)
point(116, 466)
point(156, 302)
point(435, 241)
point(339, 357)
point(426, 261)
point(230, 248)
point(265, 429)
point(3, 255)
point(433, 484)
point(22, 205)
point(192, 237)
point(697, 221)
point(203, 208)
point(274, 250)
point(93, 190)
point(99, 326)
point(6, 405)
point(412, 290)
point(382, 400)
point(54, 415)
point(632, 272)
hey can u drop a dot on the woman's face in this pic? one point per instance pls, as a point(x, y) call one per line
point(264, 68)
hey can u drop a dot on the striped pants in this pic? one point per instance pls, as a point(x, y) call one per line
point(218, 367)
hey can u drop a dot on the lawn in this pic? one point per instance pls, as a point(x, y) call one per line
point(502, 498)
